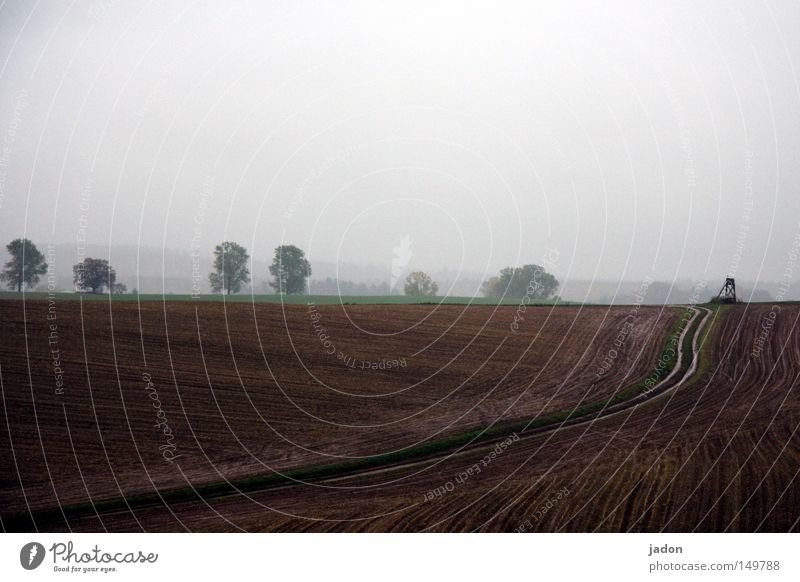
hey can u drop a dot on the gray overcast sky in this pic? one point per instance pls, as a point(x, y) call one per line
point(638, 140)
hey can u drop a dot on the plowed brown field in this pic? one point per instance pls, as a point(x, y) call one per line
point(718, 454)
point(247, 389)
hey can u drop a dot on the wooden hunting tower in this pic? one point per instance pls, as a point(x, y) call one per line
point(728, 292)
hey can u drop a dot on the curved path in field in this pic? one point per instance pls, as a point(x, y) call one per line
point(684, 369)
point(664, 387)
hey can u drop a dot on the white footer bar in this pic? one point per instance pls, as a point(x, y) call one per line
point(381, 557)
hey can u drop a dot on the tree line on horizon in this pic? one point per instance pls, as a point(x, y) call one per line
point(28, 264)
point(290, 270)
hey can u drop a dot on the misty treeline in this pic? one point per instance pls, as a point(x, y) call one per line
point(290, 269)
point(290, 273)
point(28, 264)
point(531, 281)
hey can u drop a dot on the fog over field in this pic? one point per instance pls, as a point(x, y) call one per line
point(634, 141)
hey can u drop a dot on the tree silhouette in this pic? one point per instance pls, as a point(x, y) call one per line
point(230, 268)
point(93, 275)
point(290, 269)
point(25, 266)
point(518, 282)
